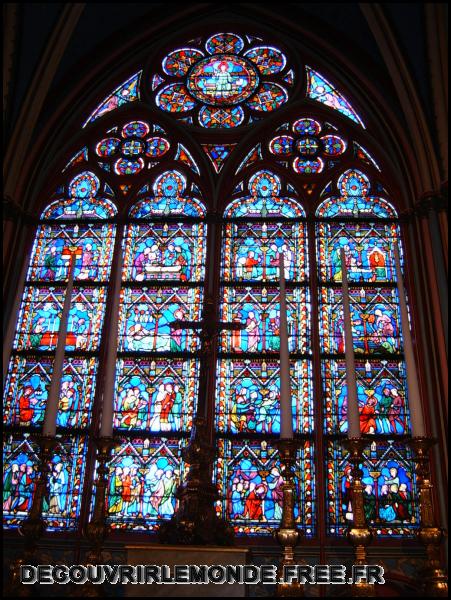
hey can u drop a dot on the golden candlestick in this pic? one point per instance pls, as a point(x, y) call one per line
point(195, 520)
point(33, 527)
point(434, 580)
point(359, 534)
point(288, 535)
point(97, 530)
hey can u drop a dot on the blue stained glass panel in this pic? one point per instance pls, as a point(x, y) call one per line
point(264, 200)
point(354, 200)
point(319, 89)
point(28, 385)
point(168, 199)
point(155, 395)
point(308, 167)
point(146, 314)
point(374, 317)
point(269, 97)
point(248, 392)
point(53, 246)
point(178, 62)
point(126, 92)
point(160, 251)
point(143, 476)
point(281, 145)
point(368, 251)
point(389, 494)
point(61, 506)
point(268, 60)
point(258, 310)
point(381, 393)
point(248, 475)
point(215, 116)
point(223, 43)
point(40, 314)
point(174, 98)
point(252, 250)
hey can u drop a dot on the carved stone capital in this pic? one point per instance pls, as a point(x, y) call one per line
point(431, 201)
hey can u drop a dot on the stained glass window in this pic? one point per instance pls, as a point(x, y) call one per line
point(390, 489)
point(157, 372)
point(248, 474)
point(365, 227)
point(222, 81)
point(218, 154)
point(319, 89)
point(78, 222)
point(62, 502)
point(259, 227)
point(126, 92)
point(216, 85)
point(308, 144)
point(143, 476)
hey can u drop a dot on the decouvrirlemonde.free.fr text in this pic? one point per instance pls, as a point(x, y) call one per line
point(200, 574)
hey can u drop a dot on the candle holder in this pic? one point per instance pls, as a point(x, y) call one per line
point(434, 580)
point(33, 527)
point(97, 530)
point(195, 521)
point(288, 535)
point(359, 534)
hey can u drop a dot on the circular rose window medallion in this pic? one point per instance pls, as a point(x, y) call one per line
point(222, 79)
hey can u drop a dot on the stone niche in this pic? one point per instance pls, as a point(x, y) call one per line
point(186, 555)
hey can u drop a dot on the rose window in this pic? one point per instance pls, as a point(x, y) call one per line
point(128, 153)
point(309, 144)
point(223, 83)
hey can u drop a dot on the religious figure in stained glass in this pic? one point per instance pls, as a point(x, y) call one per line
point(31, 367)
point(225, 87)
point(250, 483)
point(143, 477)
point(169, 251)
point(126, 92)
point(61, 505)
point(380, 392)
point(155, 395)
point(248, 394)
point(319, 89)
point(388, 489)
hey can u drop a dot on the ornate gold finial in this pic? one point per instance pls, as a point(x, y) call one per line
point(195, 520)
point(288, 535)
point(359, 534)
point(33, 527)
point(97, 530)
point(434, 579)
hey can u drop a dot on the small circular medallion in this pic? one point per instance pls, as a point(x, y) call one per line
point(307, 146)
point(132, 147)
point(223, 79)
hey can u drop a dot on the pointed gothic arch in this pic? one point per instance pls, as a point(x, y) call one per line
point(365, 151)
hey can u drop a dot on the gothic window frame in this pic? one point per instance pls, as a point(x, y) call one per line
point(226, 180)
